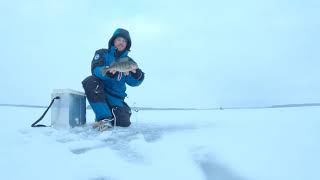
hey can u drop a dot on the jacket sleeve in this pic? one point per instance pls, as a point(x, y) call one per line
point(135, 79)
point(98, 63)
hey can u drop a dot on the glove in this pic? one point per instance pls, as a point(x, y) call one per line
point(137, 75)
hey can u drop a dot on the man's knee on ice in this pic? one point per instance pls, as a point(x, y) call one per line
point(93, 88)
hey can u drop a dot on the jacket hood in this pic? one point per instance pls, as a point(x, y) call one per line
point(120, 33)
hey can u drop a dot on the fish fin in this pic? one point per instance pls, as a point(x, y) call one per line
point(105, 70)
point(131, 60)
point(124, 59)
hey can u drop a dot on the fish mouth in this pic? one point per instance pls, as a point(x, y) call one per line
point(134, 67)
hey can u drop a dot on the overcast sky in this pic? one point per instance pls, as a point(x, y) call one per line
point(194, 53)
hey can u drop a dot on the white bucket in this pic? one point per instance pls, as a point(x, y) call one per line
point(70, 110)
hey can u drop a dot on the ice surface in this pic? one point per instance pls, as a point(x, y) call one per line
point(259, 144)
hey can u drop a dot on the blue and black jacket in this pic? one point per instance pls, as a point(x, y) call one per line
point(115, 85)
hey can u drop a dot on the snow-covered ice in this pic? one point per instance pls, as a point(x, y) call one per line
point(259, 144)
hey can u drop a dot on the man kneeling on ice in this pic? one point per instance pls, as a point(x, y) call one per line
point(111, 70)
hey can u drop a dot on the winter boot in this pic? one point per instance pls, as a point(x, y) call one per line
point(103, 124)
